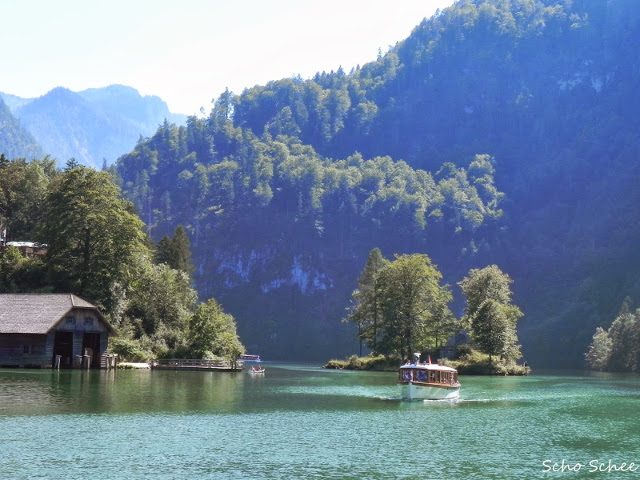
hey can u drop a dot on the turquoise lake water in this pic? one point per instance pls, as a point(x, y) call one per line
point(305, 422)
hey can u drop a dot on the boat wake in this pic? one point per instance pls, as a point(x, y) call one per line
point(426, 401)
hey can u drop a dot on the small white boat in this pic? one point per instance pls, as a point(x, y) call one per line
point(427, 381)
point(256, 370)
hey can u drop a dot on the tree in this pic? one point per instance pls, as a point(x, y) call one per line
point(93, 235)
point(412, 303)
point(11, 261)
point(489, 312)
point(617, 349)
point(365, 311)
point(163, 250)
point(599, 352)
point(624, 334)
point(23, 187)
point(176, 251)
point(181, 251)
point(162, 300)
point(71, 164)
point(213, 332)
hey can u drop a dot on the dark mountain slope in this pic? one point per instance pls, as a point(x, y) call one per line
point(279, 234)
point(545, 87)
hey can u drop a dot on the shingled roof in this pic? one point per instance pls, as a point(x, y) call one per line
point(37, 313)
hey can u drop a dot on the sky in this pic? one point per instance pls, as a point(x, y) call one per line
point(188, 51)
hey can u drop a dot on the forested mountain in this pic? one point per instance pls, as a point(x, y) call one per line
point(93, 125)
point(286, 187)
point(15, 141)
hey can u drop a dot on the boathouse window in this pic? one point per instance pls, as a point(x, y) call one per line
point(71, 320)
point(27, 349)
point(88, 321)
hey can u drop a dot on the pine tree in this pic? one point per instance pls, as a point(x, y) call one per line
point(366, 301)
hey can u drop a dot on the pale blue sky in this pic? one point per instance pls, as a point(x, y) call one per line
point(188, 51)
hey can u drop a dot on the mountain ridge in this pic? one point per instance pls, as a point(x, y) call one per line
point(93, 126)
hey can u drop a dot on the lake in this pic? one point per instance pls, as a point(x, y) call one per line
point(298, 421)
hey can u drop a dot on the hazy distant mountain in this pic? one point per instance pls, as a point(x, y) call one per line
point(93, 125)
point(15, 140)
point(146, 112)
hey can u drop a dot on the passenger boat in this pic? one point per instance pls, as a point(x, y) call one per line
point(250, 358)
point(427, 381)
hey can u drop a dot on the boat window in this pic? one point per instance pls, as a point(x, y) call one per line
point(406, 375)
point(422, 375)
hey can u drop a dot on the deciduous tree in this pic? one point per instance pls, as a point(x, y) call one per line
point(213, 332)
point(412, 302)
point(92, 233)
point(489, 312)
point(599, 352)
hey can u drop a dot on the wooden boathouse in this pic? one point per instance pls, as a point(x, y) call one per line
point(51, 330)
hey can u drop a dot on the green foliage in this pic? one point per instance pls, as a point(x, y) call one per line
point(11, 262)
point(490, 314)
point(400, 306)
point(129, 349)
point(23, 189)
point(547, 88)
point(366, 308)
point(176, 251)
point(371, 362)
point(474, 362)
point(161, 301)
point(414, 306)
point(213, 333)
point(599, 354)
point(97, 249)
point(617, 349)
point(19, 274)
point(92, 235)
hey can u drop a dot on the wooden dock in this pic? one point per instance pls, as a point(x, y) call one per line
point(196, 364)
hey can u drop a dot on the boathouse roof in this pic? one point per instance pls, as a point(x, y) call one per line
point(37, 313)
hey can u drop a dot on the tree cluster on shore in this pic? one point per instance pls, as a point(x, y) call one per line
point(97, 249)
point(401, 307)
point(618, 348)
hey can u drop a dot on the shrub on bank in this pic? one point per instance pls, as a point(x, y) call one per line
point(473, 362)
point(380, 363)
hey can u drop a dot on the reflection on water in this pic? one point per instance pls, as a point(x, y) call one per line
point(306, 422)
point(46, 392)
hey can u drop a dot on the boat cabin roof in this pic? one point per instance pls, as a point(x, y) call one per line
point(427, 366)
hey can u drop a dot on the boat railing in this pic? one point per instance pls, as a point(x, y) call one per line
point(433, 377)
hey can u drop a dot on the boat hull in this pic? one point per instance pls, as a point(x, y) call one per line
point(413, 391)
